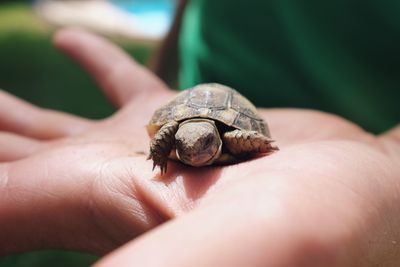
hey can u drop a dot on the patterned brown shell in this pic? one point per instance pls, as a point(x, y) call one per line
point(212, 101)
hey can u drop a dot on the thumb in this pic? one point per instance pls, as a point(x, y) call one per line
point(214, 236)
point(120, 77)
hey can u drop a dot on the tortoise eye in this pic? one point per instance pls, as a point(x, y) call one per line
point(208, 141)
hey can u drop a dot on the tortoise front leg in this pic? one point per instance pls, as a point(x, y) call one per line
point(162, 144)
point(242, 142)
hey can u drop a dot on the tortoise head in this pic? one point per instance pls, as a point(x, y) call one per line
point(198, 142)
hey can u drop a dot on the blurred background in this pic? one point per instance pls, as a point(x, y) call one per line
point(32, 69)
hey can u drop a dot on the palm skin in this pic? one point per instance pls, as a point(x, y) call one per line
point(327, 198)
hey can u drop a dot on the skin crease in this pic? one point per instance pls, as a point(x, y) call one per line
point(329, 197)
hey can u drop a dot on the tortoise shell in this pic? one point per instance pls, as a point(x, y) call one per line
point(212, 101)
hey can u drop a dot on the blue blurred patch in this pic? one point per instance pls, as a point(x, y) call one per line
point(154, 16)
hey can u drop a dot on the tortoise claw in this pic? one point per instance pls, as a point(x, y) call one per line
point(163, 168)
point(158, 162)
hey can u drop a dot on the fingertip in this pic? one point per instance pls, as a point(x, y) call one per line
point(70, 38)
point(63, 35)
point(66, 38)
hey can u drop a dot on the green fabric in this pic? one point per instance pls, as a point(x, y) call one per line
point(339, 56)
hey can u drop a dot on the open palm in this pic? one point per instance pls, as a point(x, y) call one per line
point(327, 198)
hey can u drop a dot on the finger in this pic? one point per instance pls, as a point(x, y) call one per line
point(293, 126)
point(392, 134)
point(42, 201)
point(14, 147)
point(213, 237)
point(391, 141)
point(118, 75)
point(26, 119)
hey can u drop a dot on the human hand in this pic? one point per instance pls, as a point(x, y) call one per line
point(328, 198)
point(57, 189)
point(328, 195)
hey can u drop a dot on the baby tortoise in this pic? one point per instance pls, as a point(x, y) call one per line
point(210, 123)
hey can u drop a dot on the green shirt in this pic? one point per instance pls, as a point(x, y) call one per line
point(338, 56)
